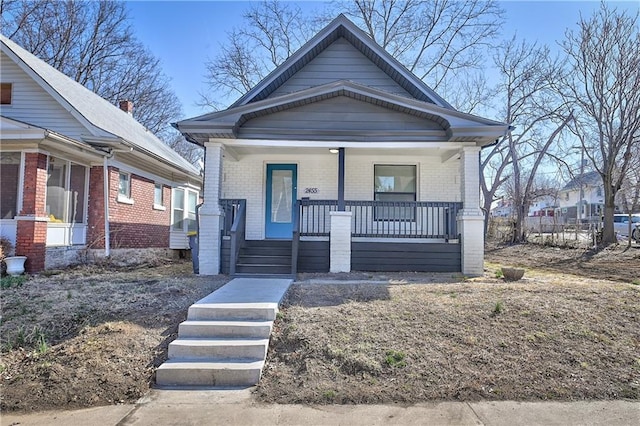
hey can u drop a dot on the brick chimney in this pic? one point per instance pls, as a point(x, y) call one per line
point(127, 106)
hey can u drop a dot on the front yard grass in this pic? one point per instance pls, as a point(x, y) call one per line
point(541, 338)
point(569, 330)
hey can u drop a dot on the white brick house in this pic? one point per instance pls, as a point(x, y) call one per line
point(339, 160)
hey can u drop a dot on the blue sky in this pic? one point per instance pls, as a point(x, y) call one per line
point(184, 34)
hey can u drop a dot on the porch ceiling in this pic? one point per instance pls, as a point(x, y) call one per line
point(236, 152)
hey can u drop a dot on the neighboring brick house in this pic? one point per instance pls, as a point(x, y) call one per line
point(60, 144)
point(341, 159)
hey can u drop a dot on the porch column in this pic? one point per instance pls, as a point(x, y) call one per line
point(470, 218)
point(340, 242)
point(210, 213)
point(31, 232)
point(341, 206)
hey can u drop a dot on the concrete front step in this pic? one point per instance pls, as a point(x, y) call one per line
point(238, 329)
point(225, 339)
point(233, 311)
point(209, 373)
point(218, 349)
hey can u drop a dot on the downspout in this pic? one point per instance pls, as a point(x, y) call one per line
point(105, 179)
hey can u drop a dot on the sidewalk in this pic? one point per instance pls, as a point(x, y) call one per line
point(237, 407)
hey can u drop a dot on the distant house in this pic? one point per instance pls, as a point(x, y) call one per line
point(75, 168)
point(503, 208)
point(543, 206)
point(589, 205)
point(341, 159)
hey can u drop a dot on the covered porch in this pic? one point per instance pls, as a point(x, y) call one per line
point(383, 236)
point(360, 209)
point(341, 177)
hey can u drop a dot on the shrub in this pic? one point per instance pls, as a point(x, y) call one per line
point(5, 247)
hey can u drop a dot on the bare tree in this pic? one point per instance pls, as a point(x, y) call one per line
point(604, 86)
point(93, 43)
point(271, 32)
point(528, 79)
point(443, 42)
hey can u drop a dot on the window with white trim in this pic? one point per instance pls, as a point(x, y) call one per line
point(394, 183)
point(158, 197)
point(178, 209)
point(124, 186)
point(9, 176)
point(183, 216)
point(66, 198)
point(192, 201)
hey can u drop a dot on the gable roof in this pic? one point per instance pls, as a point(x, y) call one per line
point(104, 121)
point(343, 27)
point(592, 178)
point(264, 100)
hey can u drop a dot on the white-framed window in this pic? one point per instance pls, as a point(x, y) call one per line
point(178, 210)
point(10, 178)
point(66, 197)
point(184, 204)
point(124, 188)
point(158, 197)
point(192, 202)
point(396, 183)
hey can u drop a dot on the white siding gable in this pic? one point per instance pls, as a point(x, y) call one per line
point(30, 103)
point(340, 61)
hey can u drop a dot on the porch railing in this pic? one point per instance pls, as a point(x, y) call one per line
point(295, 240)
point(237, 234)
point(229, 209)
point(383, 219)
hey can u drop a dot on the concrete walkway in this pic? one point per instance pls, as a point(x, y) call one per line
point(237, 407)
point(224, 341)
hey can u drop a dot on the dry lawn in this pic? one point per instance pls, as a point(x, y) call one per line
point(91, 336)
point(537, 339)
point(569, 330)
point(557, 334)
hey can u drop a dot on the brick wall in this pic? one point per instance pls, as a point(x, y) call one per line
point(31, 233)
point(35, 183)
point(31, 241)
point(471, 218)
point(136, 225)
point(340, 242)
point(95, 224)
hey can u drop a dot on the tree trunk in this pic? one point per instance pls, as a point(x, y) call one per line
point(608, 234)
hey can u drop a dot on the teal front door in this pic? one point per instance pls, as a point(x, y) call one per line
point(281, 198)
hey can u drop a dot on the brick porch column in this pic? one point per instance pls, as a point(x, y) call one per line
point(210, 213)
point(340, 242)
point(470, 218)
point(31, 235)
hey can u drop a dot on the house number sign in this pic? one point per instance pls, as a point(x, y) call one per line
point(311, 190)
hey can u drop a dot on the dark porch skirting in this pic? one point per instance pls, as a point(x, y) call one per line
point(313, 256)
point(405, 257)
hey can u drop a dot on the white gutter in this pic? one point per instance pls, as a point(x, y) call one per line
point(105, 178)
